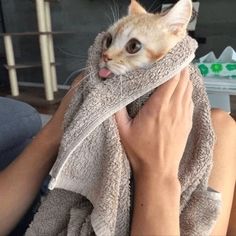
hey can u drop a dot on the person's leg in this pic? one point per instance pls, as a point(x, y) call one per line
point(19, 123)
point(223, 174)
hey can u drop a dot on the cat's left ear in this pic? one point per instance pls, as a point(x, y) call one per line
point(135, 8)
point(179, 16)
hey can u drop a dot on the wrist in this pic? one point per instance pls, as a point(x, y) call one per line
point(168, 182)
point(155, 168)
point(157, 204)
point(51, 134)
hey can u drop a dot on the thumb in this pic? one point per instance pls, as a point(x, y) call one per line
point(123, 121)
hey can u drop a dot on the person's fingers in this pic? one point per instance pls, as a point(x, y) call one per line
point(166, 90)
point(180, 90)
point(123, 120)
point(188, 104)
point(188, 92)
point(162, 94)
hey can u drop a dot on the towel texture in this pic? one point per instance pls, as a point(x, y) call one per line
point(90, 187)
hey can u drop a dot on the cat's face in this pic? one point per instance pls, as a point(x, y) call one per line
point(142, 38)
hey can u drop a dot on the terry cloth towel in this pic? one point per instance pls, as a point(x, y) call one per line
point(90, 186)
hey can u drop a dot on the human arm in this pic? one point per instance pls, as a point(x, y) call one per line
point(154, 142)
point(21, 180)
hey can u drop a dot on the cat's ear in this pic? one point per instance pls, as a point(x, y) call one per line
point(178, 17)
point(136, 8)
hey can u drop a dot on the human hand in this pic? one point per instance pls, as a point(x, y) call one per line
point(156, 138)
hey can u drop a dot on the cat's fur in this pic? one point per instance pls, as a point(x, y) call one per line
point(156, 33)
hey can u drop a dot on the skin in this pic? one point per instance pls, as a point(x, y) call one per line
point(25, 175)
point(157, 211)
point(21, 180)
point(155, 160)
point(223, 175)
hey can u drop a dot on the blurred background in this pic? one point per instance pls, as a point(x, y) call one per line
point(77, 22)
point(216, 24)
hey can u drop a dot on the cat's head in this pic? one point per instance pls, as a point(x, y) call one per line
point(142, 38)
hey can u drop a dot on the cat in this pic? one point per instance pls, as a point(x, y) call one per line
point(141, 38)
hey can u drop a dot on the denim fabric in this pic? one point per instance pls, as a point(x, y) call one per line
point(19, 122)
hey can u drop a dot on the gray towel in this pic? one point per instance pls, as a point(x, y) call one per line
point(90, 186)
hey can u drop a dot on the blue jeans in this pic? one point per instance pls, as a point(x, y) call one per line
point(19, 123)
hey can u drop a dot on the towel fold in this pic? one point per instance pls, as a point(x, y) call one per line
point(90, 186)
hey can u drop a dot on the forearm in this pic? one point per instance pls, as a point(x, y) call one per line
point(21, 180)
point(156, 207)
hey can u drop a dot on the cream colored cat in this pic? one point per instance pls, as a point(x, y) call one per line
point(142, 38)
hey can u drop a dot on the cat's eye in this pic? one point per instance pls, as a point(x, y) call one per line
point(107, 41)
point(133, 46)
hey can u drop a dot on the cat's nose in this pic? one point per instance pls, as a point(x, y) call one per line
point(106, 57)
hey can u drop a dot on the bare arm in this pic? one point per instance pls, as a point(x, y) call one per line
point(154, 141)
point(156, 206)
point(21, 180)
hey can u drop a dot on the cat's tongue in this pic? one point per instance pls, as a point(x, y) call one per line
point(104, 72)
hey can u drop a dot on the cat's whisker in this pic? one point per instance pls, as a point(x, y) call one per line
point(113, 14)
point(109, 18)
point(68, 53)
point(74, 73)
point(111, 84)
point(121, 87)
point(116, 9)
point(79, 63)
point(156, 8)
point(153, 3)
point(85, 77)
point(89, 75)
point(85, 68)
point(81, 57)
point(120, 68)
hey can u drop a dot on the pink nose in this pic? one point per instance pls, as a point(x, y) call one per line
point(106, 57)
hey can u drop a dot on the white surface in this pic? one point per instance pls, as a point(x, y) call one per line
point(43, 40)
point(221, 101)
point(227, 56)
point(219, 91)
point(11, 62)
point(51, 46)
point(220, 85)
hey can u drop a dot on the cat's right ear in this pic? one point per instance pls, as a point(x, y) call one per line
point(179, 16)
point(135, 8)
